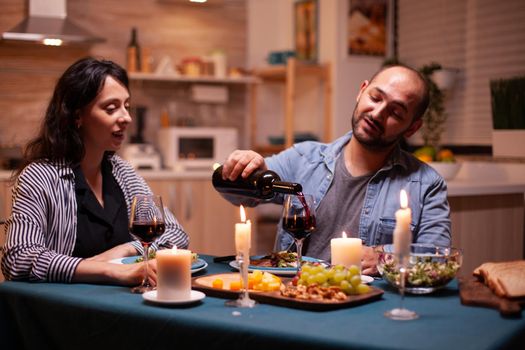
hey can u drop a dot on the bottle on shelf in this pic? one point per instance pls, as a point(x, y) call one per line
point(261, 184)
point(133, 53)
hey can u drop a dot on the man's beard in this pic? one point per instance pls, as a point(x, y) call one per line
point(372, 143)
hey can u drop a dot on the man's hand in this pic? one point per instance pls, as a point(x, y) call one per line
point(369, 262)
point(242, 162)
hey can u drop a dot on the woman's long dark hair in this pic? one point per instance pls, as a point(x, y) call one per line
point(59, 138)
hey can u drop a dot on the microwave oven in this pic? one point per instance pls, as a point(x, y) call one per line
point(195, 148)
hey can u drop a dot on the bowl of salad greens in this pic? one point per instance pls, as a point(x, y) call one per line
point(428, 268)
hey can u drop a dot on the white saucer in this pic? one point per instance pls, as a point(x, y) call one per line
point(367, 279)
point(195, 296)
point(196, 266)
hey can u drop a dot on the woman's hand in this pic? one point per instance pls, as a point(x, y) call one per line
point(90, 271)
point(133, 274)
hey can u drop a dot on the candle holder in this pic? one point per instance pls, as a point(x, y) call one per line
point(400, 313)
point(244, 299)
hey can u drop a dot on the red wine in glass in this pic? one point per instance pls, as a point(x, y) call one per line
point(147, 232)
point(299, 220)
point(299, 227)
point(146, 224)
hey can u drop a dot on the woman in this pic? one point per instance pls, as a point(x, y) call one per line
point(73, 194)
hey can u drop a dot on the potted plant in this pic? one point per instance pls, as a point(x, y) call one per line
point(508, 117)
point(434, 123)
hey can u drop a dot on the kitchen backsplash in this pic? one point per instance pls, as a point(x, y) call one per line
point(29, 71)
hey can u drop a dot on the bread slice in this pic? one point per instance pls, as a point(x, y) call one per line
point(506, 279)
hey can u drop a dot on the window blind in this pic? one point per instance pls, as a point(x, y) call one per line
point(483, 39)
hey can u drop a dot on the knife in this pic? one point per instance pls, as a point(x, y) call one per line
point(225, 258)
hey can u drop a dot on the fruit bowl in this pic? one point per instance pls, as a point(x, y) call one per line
point(429, 267)
point(446, 169)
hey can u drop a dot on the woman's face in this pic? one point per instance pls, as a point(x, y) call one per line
point(105, 120)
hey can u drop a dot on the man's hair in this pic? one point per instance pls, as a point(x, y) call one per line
point(424, 100)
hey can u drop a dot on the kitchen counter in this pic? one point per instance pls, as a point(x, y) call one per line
point(487, 178)
point(474, 178)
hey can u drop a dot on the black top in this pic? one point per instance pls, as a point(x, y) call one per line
point(99, 228)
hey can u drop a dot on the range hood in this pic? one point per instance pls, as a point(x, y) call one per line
point(48, 24)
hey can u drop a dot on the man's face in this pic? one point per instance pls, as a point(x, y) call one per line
point(385, 109)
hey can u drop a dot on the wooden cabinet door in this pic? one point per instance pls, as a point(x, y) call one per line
point(5, 199)
point(207, 218)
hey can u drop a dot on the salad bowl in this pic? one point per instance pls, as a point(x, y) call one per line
point(429, 267)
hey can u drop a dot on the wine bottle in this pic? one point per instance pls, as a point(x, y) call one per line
point(261, 184)
point(133, 53)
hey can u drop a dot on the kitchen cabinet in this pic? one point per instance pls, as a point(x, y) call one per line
point(208, 218)
point(290, 75)
point(5, 201)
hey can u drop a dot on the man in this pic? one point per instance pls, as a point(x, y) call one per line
point(356, 180)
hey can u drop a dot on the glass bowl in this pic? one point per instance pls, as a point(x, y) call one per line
point(429, 267)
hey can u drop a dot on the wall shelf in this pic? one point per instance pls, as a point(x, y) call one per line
point(289, 74)
point(185, 79)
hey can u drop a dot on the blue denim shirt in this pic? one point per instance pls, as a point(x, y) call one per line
point(312, 165)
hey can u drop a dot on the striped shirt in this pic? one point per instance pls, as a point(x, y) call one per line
point(42, 228)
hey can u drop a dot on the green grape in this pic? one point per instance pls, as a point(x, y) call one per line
point(355, 280)
point(362, 288)
point(339, 277)
point(311, 280)
point(306, 268)
point(318, 268)
point(304, 275)
point(346, 287)
point(354, 270)
point(339, 267)
point(330, 273)
point(320, 277)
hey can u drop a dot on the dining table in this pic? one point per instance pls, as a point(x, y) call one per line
point(94, 316)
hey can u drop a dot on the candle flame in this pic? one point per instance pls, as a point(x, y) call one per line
point(403, 199)
point(344, 234)
point(243, 214)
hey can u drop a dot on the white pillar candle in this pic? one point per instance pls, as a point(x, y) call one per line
point(173, 274)
point(402, 234)
point(346, 251)
point(243, 233)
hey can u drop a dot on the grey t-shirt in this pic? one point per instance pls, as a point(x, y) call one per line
point(338, 211)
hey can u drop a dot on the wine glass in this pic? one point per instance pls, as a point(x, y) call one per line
point(299, 220)
point(401, 313)
point(146, 224)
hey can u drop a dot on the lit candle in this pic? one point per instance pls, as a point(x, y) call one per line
point(402, 234)
point(173, 274)
point(243, 233)
point(346, 251)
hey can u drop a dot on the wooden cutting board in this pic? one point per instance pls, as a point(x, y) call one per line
point(204, 284)
point(475, 293)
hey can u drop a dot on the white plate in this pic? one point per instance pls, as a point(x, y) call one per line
point(194, 297)
point(198, 265)
point(282, 271)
